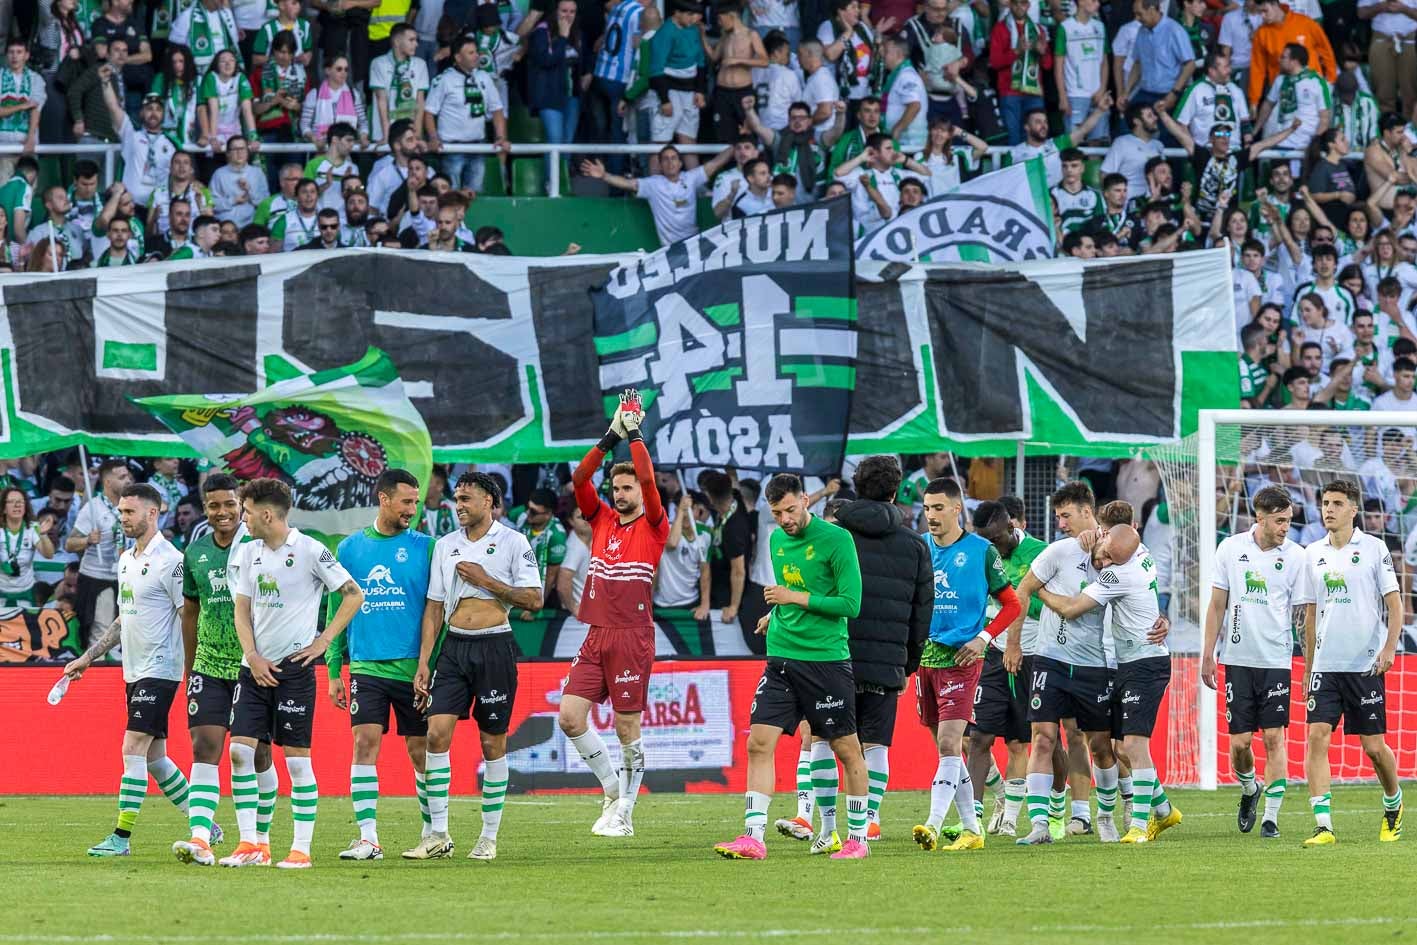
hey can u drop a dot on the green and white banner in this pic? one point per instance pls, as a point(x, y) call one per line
point(501, 356)
point(327, 435)
point(999, 217)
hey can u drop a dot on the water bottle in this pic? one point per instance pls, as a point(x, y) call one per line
point(57, 693)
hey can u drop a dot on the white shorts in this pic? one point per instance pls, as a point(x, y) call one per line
point(684, 119)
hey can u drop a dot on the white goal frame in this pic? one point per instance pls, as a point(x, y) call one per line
point(1207, 719)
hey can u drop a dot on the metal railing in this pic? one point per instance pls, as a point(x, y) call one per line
point(111, 152)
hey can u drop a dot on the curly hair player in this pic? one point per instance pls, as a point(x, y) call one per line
point(618, 653)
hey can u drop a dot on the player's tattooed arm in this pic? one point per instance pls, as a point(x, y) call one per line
point(351, 599)
point(98, 648)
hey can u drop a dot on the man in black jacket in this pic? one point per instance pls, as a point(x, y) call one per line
point(898, 594)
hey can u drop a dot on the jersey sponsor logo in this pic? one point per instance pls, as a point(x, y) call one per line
point(494, 696)
point(143, 696)
point(1255, 584)
point(1372, 698)
point(612, 546)
point(125, 594)
point(1280, 691)
point(792, 576)
point(830, 703)
point(625, 676)
point(1334, 584)
point(291, 707)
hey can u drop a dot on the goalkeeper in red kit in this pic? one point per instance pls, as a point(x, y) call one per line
point(618, 653)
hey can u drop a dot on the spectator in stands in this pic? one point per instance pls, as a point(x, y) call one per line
point(344, 25)
point(1283, 27)
point(1080, 66)
point(461, 100)
point(1297, 387)
point(745, 149)
point(1074, 203)
point(570, 580)
point(417, 223)
point(672, 194)
point(874, 182)
point(62, 250)
point(1037, 142)
point(784, 191)
point(182, 184)
point(820, 91)
point(1316, 324)
point(284, 198)
point(678, 79)
point(286, 20)
point(118, 202)
point(912, 193)
point(738, 52)
point(255, 240)
point(87, 110)
point(84, 204)
point(1079, 246)
point(683, 578)
point(206, 233)
point(797, 149)
point(947, 160)
point(1354, 111)
point(281, 85)
point(334, 101)
point(614, 68)
point(147, 152)
point(176, 87)
point(224, 104)
point(22, 92)
point(731, 549)
point(331, 169)
point(206, 27)
point(299, 224)
point(355, 219)
point(1211, 99)
point(1392, 55)
point(1236, 28)
point(391, 171)
point(1300, 93)
point(1116, 218)
point(398, 83)
point(1130, 153)
point(1161, 62)
point(1259, 372)
point(556, 76)
point(784, 85)
point(1019, 54)
point(58, 50)
point(238, 187)
point(98, 536)
point(328, 228)
point(905, 102)
point(1219, 169)
point(117, 22)
point(1391, 157)
point(1330, 183)
point(756, 193)
point(119, 236)
point(1404, 371)
point(849, 144)
point(444, 238)
point(849, 42)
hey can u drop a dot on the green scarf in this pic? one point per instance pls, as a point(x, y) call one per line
point(1025, 79)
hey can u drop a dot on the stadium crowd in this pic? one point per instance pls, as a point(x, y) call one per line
point(890, 102)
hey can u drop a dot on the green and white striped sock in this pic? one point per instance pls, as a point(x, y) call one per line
point(1057, 803)
point(1247, 781)
point(1160, 803)
point(1037, 796)
point(878, 770)
point(267, 787)
point(856, 817)
point(1393, 801)
point(131, 790)
point(993, 781)
point(825, 784)
point(244, 790)
point(1014, 792)
point(202, 799)
point(304, 801)
point(364, 792)
point(420, 787)
point(1106, 781)
point(170, 781)
point(755, 814)
point(1143, 783)
point(439, 776)
point(495, 775)
point(1323, 810)
point(1273, 797)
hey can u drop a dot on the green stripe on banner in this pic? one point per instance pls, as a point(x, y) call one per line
point(973, 252)
point(824, 306)
point(726, 315)
point(822, 375)
point(637, 337)
point(1042, 200)
point(716, 380)
point(129, 356)
point(279, 369)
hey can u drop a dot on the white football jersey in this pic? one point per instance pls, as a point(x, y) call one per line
point(503, 552)
point(1262, 588)
point(150, 610)
point(1349, 584)
point(1065, 569)
point(285, 586)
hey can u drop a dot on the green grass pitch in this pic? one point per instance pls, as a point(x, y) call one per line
point(553, 882)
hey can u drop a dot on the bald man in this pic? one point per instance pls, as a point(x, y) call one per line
point(1127, 581)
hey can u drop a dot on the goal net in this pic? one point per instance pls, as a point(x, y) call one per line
point(1208, 480)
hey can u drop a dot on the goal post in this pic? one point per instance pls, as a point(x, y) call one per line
point(1209, 479)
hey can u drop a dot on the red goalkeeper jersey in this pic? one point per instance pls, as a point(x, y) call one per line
point(620, 580)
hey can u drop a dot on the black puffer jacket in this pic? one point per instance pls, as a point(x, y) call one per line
point(897, 594)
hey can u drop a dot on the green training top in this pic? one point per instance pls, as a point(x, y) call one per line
point(204, 580)
point(821, 561)
point(1016, 566)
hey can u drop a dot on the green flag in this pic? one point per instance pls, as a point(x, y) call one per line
point(328, 435)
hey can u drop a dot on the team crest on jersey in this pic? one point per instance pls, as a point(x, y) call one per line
point(145, 570)
point(960, 559)
point(1279, 566)
point(290, 560)
point(401, 555)
point(192, 707)
point(1355, 557)
point(491, 549)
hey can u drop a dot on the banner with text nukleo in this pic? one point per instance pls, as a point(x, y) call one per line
point(745, 338)
point(1003, 216)
point(499, 354)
